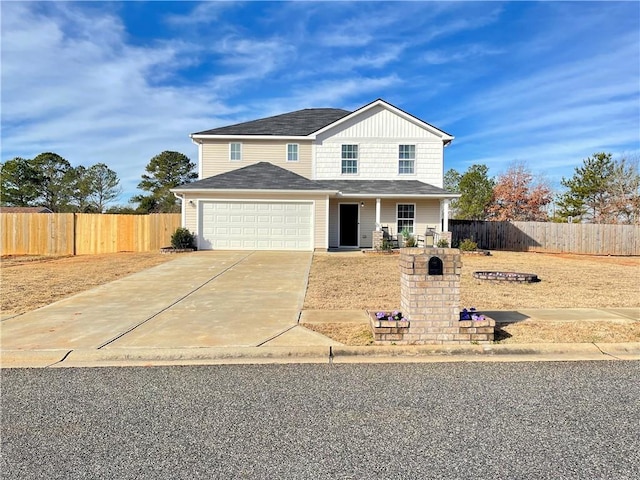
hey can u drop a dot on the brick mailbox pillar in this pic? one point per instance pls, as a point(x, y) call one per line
point(430, 294)
point(430, 302)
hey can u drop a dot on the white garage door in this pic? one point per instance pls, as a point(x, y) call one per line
point(256, 225)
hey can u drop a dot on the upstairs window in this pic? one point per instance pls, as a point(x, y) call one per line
point(292, 152)
point(235, 152)
point(349, 159)
point(407, 159)
point(406, 217)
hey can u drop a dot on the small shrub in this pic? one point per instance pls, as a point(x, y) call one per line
point(182, 238)
point(410, 241)
point(443, 243)
point(387, 245)
point(468, 245)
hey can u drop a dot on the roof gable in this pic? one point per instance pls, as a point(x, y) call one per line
point(378, 104)
point(312, 122)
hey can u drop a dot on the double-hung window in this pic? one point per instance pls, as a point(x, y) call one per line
point(407, 159)
point(292, 152)
point(350, 159)
point(406, 216)
point(235, 151)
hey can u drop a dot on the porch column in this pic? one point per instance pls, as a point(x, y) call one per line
point(378, 226)
point(445, 215)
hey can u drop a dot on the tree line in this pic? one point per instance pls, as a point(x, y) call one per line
point(49, 180)
point(601, 190)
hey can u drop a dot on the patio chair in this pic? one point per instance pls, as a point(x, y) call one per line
point(429, 239)
point(389, 238)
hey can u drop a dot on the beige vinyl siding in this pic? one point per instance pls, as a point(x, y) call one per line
point(215, 155)
point(319, 233)
point(334, 240)
point(427, 215)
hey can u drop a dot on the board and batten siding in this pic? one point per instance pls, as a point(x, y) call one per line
point(215, 156)
point(319, 212)
point(378, 134)
point(427, 215)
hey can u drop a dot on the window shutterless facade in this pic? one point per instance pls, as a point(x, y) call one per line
point(235, 151)
point(349, 159)
point(406, 159)
point(292, 152)
point(406, 216)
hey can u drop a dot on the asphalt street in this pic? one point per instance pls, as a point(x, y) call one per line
point(566, 420)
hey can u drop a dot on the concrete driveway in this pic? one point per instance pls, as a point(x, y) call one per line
point(205, 299)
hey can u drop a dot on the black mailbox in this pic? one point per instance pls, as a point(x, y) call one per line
point(435, 266)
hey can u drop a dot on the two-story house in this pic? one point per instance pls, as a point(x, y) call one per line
point(316, 179)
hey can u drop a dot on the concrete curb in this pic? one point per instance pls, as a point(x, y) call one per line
point(336, 354)
point(622, 351)
point(30, 358)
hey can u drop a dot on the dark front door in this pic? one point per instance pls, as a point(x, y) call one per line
point(349, 225)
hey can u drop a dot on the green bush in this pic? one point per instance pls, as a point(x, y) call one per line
point(410, 241)
point(443, 243)
point(183, 238)
point(468, 245)
point(387, 245)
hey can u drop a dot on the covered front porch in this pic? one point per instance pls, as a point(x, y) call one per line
point(355, 220)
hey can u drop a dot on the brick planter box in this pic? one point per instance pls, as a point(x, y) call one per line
point(388, 330)
point(481, 331)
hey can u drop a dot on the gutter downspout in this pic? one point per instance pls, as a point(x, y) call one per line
point(183, 208)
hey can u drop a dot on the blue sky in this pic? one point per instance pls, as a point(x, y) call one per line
point(545, 83)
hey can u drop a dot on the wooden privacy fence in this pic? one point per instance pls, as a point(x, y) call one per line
point(592, 239)
point(84, 233)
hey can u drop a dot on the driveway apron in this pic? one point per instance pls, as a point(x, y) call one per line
point(197, 300)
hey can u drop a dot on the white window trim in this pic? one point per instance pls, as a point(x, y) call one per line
point(286, 152)
point(234, 159)
point(357, 159)
point(415, 155)
point(415, 215)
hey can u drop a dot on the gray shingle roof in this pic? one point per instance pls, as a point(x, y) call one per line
point(382, 187)
point(298, 123)
point(266, 176)
point(259, 176)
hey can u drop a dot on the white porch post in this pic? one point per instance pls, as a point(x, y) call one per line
point(378, 226)
point(445, 215)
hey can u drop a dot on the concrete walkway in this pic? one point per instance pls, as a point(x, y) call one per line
point(243, 307)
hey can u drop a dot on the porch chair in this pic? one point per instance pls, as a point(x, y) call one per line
point(389, 238)
point(429, 239)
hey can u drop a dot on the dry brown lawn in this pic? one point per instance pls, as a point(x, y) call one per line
point(30, 282)
point(370, 282)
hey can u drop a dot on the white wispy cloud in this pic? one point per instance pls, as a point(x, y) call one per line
point(71, 84)
point(203, 13)
point(78, 79)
